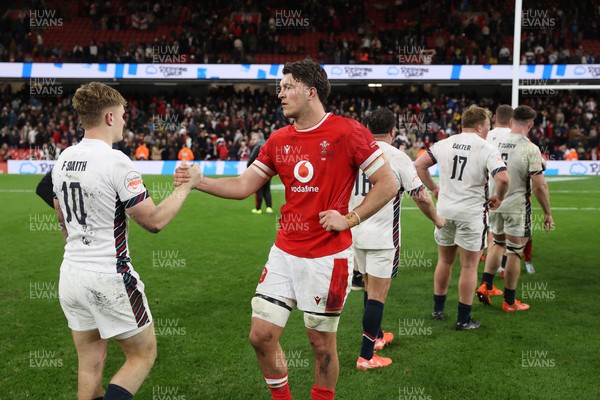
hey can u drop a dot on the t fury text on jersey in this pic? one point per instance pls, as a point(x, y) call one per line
point(74, 165)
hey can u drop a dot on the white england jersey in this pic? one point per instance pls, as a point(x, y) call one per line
point(495, 133)
point(464, 162)
point(94, 185)
point(382, 230)
point(523, 159)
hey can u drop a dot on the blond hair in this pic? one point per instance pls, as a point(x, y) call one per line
point(474, 116)
point(91, 99)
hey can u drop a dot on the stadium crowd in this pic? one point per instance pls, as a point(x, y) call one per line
point(453, 32)
point(218, 126)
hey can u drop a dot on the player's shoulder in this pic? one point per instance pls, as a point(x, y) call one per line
point(118, 155)
point(70, 151)
point(279, 134)
point(344, 123)
point(446, 141)
point(487, 145)
point(392, 152)
point(495, 134)
point(529, 145)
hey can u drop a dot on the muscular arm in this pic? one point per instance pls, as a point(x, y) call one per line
point(422, 165)
point(154, 218)
point(502, 180)
point(541, 192)
point(426, 206)
point(384, 189)
point(61, 219)
point(237, 188)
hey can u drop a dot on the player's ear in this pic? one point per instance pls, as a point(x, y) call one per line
point(109, 117)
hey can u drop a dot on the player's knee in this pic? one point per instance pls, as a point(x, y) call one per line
point(153, 353)
point(514, 248)
point(261, 337)
point(148, 356)
point(321, 345)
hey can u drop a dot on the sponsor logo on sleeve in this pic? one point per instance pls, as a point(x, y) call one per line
point(133, 181)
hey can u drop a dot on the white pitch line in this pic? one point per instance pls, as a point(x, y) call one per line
point(574, 191)
point(17, 191)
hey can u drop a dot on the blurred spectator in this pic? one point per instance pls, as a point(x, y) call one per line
point(571, 155)
point(156, 152)
point(142, 152)
point(185, 154)
point(5, 153)
point(222, 150)
point(244, 151)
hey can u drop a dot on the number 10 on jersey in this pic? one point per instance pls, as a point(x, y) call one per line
point(76, 202)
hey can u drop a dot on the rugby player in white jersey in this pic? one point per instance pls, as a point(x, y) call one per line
point(501, 121)
point(96, 190)
point(376, 242)
point(511, 222)
point(464, 161)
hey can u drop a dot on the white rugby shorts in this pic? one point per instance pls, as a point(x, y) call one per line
point(316, 285)
point(112, 303)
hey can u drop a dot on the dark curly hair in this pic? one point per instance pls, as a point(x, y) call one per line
point(381, 121)
point(524, 114)
point(311, 74)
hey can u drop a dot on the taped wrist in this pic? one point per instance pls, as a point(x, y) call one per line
point(352, 219)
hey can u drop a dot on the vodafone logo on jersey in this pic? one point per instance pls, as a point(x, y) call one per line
point(304, 171)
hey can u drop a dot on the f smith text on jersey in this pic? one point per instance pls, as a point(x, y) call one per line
point(74, 166)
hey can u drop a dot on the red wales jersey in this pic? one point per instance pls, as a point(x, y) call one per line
point(318, 167)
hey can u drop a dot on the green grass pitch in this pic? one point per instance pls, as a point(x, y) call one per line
point(200, 274)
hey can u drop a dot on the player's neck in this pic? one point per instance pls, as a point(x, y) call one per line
point(383, 138)
point(309, 119)
point(98, 135)
point(520, 130)
point(471, 130)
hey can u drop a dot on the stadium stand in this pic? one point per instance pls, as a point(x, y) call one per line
point(365, 32)
point(214, 126)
